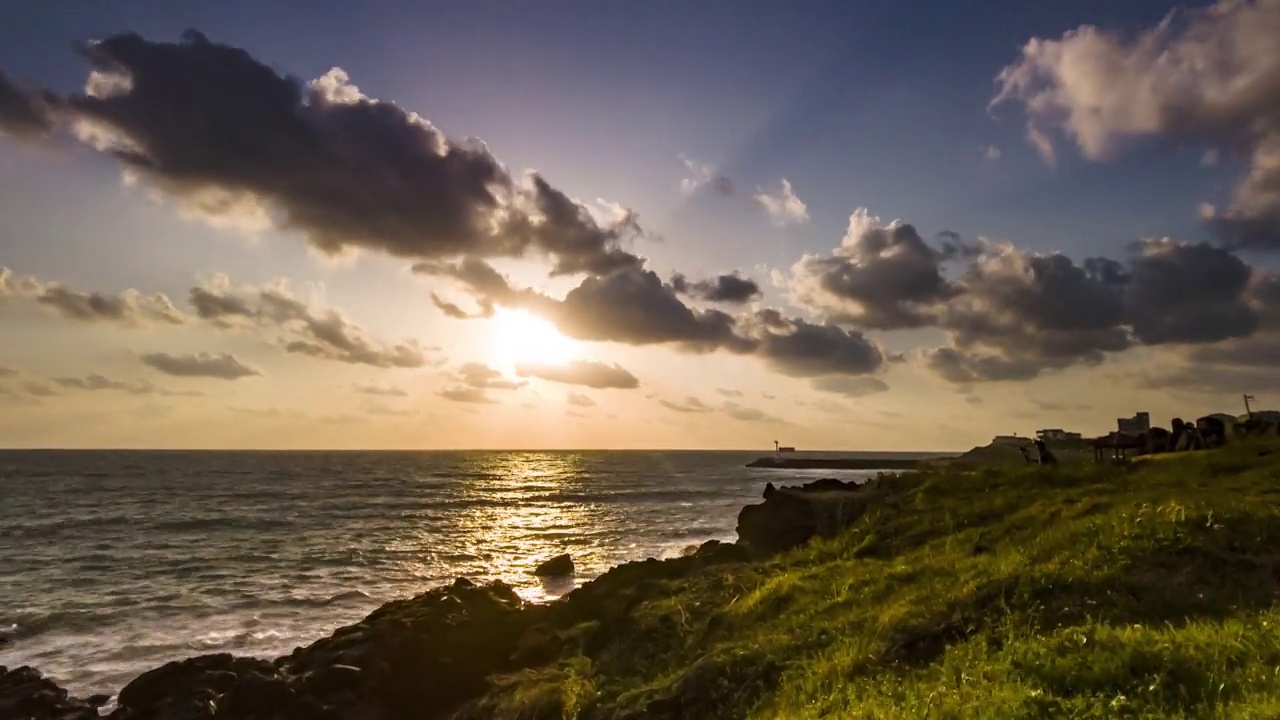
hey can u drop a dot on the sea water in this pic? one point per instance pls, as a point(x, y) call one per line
point(113, 562)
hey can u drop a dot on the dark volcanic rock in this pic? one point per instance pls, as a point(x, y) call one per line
point(410, 659)
point(26, 694)
point(538, 646)
point(558, 566)
point(791, 516)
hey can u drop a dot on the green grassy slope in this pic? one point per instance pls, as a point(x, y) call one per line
point(1089, 591)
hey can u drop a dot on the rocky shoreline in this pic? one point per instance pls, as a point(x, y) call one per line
point(781, 462)
point(438, 654)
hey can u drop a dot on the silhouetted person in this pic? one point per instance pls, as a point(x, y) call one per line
point(1046, 455)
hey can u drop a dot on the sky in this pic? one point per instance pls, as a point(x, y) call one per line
point(858, 226)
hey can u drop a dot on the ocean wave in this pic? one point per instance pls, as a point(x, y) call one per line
point(116, 575)
point(222, 522)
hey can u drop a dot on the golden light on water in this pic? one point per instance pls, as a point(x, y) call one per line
point(520, 337)
point(517, 510)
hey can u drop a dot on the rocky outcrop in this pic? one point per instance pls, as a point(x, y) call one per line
point(791, 516)
point(779, 462)
point(558, 566)
point(415, 658)
point(26, 694)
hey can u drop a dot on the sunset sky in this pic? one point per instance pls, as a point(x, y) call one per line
point(872, 225)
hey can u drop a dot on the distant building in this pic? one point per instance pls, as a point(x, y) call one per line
point(1009, 440)
point(1135, 425)
point(1057, 435)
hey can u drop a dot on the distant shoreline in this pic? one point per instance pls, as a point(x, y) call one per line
point(802, 463)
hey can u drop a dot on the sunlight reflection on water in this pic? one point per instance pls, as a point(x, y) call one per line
point(114, 562)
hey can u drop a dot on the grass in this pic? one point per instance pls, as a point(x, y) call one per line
point(1146, 591)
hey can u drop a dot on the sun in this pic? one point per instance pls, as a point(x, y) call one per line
point(520, 337)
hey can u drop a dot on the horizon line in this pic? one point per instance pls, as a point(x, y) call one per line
point(765, 451)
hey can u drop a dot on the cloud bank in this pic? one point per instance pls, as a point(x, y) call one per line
point(1208, 75)
point(220, 366)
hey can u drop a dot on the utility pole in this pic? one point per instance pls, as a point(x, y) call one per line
point(1247, 398)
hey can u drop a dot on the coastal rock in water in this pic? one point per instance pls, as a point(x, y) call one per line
point(790, 516)
point(413, 659)
point(416, 658)
point(558, 566)
point(26, 694)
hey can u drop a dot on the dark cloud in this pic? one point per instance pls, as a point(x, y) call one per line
point(566, 230)
point(221, 366)
point(229, 138)
point(635, 307)
point(488, 286)
point(98, 382)
point(729, 393)
point(316, 332)
point(951, 246)
point(94, 382)
point(588, 373)
point(731, 288)
point(1207, 75)
point(1239, 364)
point(381, 390)
point(966, 367)
point(688, 405)
point(722, 185)
point(455, 312)
point(882, 277)
point(26, 113)
point(476, 275)
point(1038, 305)
point(129, 307)
point(851, 386)
point(798, 348)
point(36, 388)
point(1184, 293)
point(1020, 314)
point(631, 306)
point(748, 414)
point(466, 395)
point(482, 377)
point(579, 400)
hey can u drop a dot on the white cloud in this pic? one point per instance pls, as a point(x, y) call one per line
point(785, 207)
point(700, 175)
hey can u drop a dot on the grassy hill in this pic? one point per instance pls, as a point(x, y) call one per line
point(1142, 591)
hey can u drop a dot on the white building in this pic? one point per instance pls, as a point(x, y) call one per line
point(1057, 435)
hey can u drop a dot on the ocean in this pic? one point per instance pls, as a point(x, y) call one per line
point(113, 562)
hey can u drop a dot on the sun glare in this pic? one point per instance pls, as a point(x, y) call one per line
point(519, 337)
